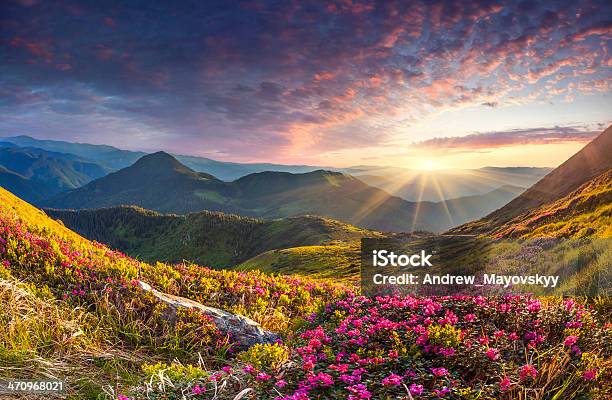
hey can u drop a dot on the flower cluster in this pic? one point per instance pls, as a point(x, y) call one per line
point(445, 347)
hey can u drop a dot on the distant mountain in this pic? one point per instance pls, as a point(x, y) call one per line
point(414, 185)
point(35, 174)
point(229, 171)
point(115, 159)
point(58, 171)
point(469, 207)
point(564, 185)
point(208, 238)
point(157, 181)
point(109, 156)
point(160, 182)
point(32, 192)
point(411, 185)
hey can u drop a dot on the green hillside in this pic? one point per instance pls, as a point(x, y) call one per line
point(74, 310)
point(209, 238)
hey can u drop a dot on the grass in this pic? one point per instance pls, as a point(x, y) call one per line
point(47, 338)
point(70, 308)
point(338, 262)
point(585, 212)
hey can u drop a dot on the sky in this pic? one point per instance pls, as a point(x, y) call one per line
point(426, 85)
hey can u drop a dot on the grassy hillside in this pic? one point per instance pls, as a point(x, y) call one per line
point(69, 308)
point(339, 262)
point(590, 162)
point(585, 212)
point(209, 238)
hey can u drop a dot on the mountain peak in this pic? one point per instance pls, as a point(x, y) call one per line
point(160, 161)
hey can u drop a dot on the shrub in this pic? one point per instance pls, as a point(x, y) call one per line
point(266, 357)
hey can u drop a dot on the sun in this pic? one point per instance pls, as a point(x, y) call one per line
point(428, 164)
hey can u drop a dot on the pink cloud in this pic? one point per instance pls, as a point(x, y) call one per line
point(515, 137)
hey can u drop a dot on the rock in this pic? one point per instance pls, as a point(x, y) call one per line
point(242, 329)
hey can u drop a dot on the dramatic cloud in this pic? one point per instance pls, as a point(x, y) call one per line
point(288, 80)
point(514, 137)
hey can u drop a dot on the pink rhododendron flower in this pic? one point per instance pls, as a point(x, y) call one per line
point(392, 380)
point(590, 374)
point(570, 340)
point(505, 384)
point(447, 352)
point(441, 392)
point(440, 371)
point(322, 378)
point(416, 390)
point(528, 371)
point(499, 334)
point(469, 317)
point(492, 353)
point(197, 389)
point(360, 391)
point(262, 376)
point(534, 305)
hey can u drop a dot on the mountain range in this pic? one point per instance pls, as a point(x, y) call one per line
point(160, 182)
point(114, 159)
point(411, 185)
point(439, 185)
point(312, 245)
point(34, 174)
point(574, 200)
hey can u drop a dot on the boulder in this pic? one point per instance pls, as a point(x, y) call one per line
point(241, 329)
